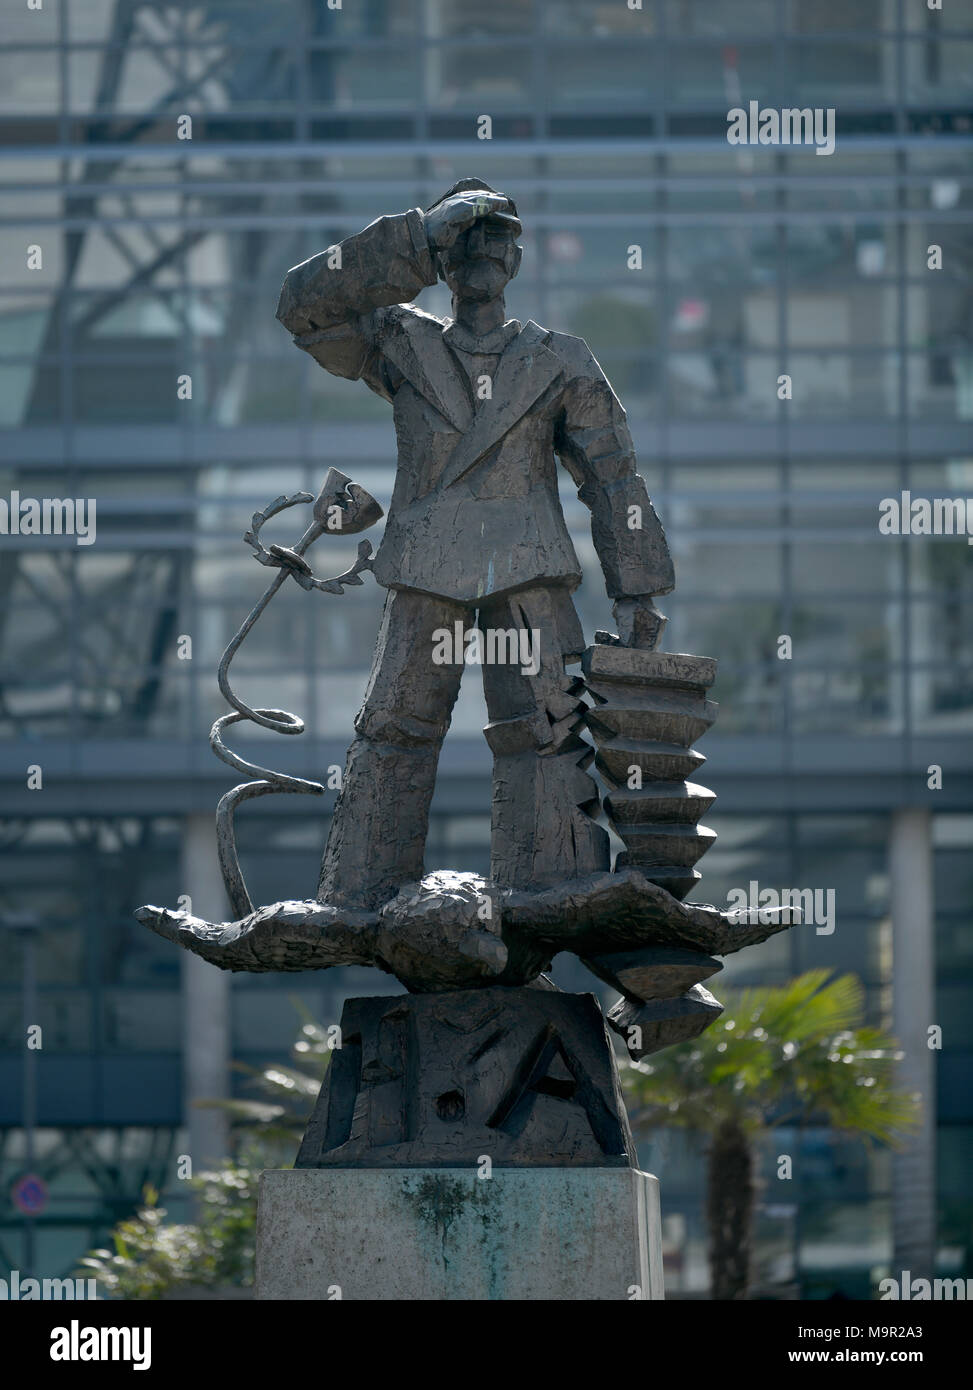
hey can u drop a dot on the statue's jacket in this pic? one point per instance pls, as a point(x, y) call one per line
point(475, 509)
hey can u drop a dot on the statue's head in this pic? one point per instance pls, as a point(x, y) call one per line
point(484, 259)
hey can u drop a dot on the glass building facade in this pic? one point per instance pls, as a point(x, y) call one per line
point(141, 249)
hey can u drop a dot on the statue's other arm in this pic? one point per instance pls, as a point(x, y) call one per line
point(593, 442)
point(337, 304)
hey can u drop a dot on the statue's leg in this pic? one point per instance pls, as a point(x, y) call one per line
point(544, 801)
point(378, 833)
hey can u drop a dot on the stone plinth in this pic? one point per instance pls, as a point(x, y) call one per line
point(450, 1234)
point(525, 1077)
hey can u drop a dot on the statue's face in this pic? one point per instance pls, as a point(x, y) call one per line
point(481, 261)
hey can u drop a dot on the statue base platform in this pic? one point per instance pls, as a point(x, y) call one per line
point(449, 1234)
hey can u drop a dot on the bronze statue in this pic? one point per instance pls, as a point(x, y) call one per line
point(480, 568)
point(475, 536)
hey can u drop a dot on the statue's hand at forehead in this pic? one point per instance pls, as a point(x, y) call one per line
point(455, 215)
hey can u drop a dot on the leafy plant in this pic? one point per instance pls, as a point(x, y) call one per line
point(277, 1122)
point(153, 1258)
point(777, 1056)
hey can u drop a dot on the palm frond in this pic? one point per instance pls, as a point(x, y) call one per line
point(780, 1052)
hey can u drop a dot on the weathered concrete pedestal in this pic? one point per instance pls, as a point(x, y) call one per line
point(449, 1234)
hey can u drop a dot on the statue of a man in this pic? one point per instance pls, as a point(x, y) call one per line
point(475, 540)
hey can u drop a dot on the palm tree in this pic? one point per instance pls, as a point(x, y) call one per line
point(777, 1056)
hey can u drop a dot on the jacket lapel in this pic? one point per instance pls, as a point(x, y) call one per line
point(525, 371)
point(431, 368)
